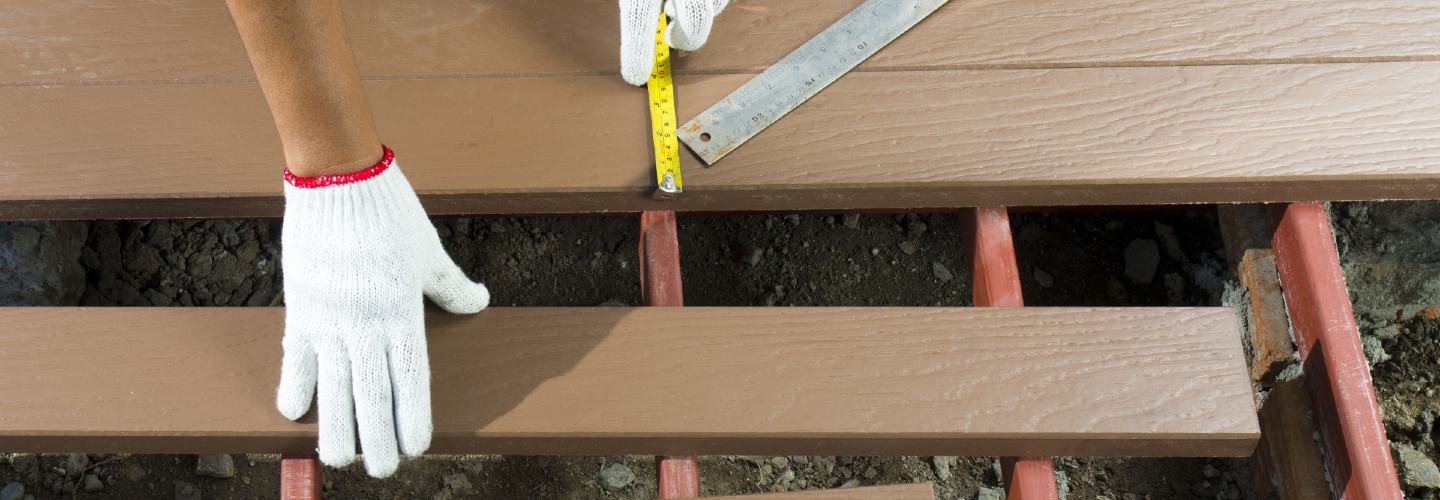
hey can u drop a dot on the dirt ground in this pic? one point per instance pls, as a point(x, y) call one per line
point(1129, 258)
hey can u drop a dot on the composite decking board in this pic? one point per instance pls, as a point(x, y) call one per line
point(901, 381)
point(880, 140)
point(914, 491)
point(43, 41)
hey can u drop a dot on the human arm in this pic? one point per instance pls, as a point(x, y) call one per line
point(358, 251)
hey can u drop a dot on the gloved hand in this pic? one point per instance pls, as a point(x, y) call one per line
point(357, 253)
point(688, 29)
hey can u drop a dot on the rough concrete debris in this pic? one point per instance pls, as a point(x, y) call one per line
point(852, 221)
point(941, 272)
point(215, 465)
point(616, 477)
point(987, 493)
point(1416, 469)
point(1142, 259)
point(943, 466)
point(1374, 352)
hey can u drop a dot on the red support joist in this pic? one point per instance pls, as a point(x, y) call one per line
point(996, 279)
point(1356, 450)
point(300, 477)
point(679, 476)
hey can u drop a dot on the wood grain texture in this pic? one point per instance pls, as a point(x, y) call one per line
point(916, 491)
point(887, 381)
point(904, 140)
point(174, 40)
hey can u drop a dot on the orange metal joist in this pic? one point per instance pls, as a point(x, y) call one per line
point(300, 477)
point(996, 278)
point(1357, 452)
point(679, 476)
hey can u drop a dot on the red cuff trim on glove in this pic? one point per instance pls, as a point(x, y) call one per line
point(332, 180)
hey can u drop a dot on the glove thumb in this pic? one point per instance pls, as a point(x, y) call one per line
point(448, 287)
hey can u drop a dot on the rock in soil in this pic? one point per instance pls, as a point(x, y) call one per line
point(1416, 469)
point(942, 466)
point(12, 491)
point(76, 463)
point(941, 272)
point(987, 493)
point(456, 486)
point(217, 465)
point(93, 484)
point(1044, 278)
point(616, 477)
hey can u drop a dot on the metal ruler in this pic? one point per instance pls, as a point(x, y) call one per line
point(662, 119)
point(799, 76)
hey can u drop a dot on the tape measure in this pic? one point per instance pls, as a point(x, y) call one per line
point(662, 119)
point(801, 74)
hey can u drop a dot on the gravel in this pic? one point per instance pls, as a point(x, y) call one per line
point(616, 477)
point(93, 484)
point(941, 272)
point(942, 466)
point(216, 465)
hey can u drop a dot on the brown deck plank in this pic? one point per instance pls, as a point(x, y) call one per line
point(938, 139)
point(121, 41)
point(889, 381)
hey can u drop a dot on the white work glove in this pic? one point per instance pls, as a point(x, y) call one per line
point(688, 29)
point(357, 253)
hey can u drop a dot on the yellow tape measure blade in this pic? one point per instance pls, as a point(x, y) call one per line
point(662, 119)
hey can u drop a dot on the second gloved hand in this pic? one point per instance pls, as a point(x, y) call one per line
point(689, 27)
point(358, 252)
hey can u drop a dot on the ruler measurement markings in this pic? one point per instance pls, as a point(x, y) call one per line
point(801, 74)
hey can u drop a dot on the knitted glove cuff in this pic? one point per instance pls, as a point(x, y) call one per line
point(321, 181)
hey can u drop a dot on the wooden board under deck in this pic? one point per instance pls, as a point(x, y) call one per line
point(887, 381)
point(497, 107)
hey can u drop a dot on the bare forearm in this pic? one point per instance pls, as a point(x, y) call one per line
point(303, 61)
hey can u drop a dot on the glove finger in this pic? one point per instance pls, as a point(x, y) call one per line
point(373, 408)
point(297, 377)
point(638, 21)
point(448, 287)
point(410, 372)
point(337, 410)
point(692, 22)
